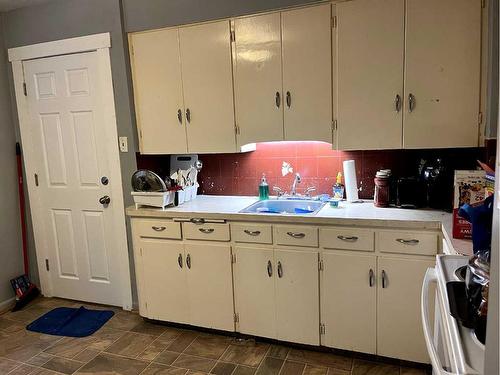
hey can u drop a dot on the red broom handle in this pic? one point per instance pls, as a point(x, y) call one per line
point(22, 205)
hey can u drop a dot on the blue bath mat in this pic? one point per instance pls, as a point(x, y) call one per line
point(65, 321)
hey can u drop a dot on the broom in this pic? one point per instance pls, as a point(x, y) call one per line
point(25, 290)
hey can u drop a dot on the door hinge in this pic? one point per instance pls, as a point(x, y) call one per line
point(322, 329)
point(25, 89)
point(233, 35)
point(47, 266)
point(233, 258)
point(36, 179)
point(236, 317)
point(480, 118)
point(334, 22)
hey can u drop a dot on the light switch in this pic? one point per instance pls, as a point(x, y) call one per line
point(123, 144)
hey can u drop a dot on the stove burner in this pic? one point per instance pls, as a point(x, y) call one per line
point(460, 272)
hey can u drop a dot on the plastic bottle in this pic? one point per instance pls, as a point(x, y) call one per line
point(338, 188)
point(263, 188)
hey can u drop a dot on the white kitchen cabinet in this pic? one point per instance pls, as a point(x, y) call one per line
point(275, 290)
point(258, 80)
point(164, 280)
point(254, 292)
point(442, 73)
point(159, 106)
point(399, 325)
point(349, 302)
point(370, 53)
point(208, 87)
point(183, 89)
point(307, 73)
point(209, 285)
point(297, 296)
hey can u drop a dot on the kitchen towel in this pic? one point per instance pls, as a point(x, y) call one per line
point(71, 322)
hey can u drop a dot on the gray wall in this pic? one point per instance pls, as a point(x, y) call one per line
point(61, 19)
point(10, 233)
point(151, 14)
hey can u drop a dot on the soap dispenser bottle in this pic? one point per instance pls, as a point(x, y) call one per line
point(263, 188)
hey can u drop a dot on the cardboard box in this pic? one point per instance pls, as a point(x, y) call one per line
point(469, 187)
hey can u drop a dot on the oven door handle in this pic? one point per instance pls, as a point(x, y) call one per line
point(437, 366)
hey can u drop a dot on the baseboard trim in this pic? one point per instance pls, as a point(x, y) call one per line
point(7, 304)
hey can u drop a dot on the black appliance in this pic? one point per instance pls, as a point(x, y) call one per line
point(410, 193)
point(438, 184)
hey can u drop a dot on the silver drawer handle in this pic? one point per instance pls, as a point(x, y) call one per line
point(348, 238)
point(296, 235)
point(158, 229)
point(206, 230)
point(252, 232)
point(407, 242)
point(197, 221)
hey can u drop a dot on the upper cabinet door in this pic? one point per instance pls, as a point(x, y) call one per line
point(370, 42)
point(307, 73)
point(258, 83)
point(156, 72)
point(442, 73)
point(208, 87)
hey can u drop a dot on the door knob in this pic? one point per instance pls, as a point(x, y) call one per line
point(105, 200)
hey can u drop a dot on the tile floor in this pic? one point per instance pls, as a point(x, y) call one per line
point(128, 345)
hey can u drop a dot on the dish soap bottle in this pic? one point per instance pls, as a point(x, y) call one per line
point(263, 188)
point(338, 188)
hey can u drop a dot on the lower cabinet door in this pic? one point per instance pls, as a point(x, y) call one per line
point(209, 284)
point(297, 296)
point(164, 283)
point(254, 294)
point(349, 302)
point(399, 324)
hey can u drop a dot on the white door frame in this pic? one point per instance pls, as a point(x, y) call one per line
point(100, 43)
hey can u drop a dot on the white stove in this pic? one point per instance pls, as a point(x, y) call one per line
point(453, 348)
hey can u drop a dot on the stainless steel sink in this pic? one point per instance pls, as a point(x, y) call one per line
point(276, 206)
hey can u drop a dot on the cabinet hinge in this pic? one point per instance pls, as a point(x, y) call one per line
point(47, 266)
point(236, 317)
point(233, 258)
point(141, 251)
point(36, 179)
point(236, 129)
point(480, 118)
point(233, 36)
point(334, 125)
point(334, 22)
point(322, 329)
point(140, 133)
point(25, 89)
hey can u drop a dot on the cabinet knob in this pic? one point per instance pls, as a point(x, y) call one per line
point(179, 260)
point(288, 99)
point(252, 232)
point(384, 279)
point(179, 116)
point(280, 270)
point(269, 268)
point(371, 278)
point(278, 99)
point(188, 115)
point(348, 238)
point(407, 242)
point(411, 103)
point(188, 261)
point(296, 234)
point(158, 229)
point(397, 103)
point(206, 230)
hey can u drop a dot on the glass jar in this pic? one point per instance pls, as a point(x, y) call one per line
point(382, 187)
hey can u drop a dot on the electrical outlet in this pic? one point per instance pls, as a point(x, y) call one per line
point(123, 144)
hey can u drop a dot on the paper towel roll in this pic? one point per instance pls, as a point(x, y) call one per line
point(351, 183)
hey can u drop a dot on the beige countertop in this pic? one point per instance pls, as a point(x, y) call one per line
point(349, 214)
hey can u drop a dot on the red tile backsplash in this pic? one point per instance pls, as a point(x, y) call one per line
point(318, 164)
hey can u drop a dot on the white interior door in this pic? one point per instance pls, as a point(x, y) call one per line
point(73, 149)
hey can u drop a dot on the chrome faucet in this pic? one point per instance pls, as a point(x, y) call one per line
point(296, 180)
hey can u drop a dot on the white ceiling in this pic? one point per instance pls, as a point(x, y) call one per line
point(6, 5)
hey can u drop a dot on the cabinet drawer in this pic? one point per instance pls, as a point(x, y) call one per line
point(252, 233)
point(206, 231)
point(347, 239)
point(420, 243)
point(295, 235)
point(158, 229)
